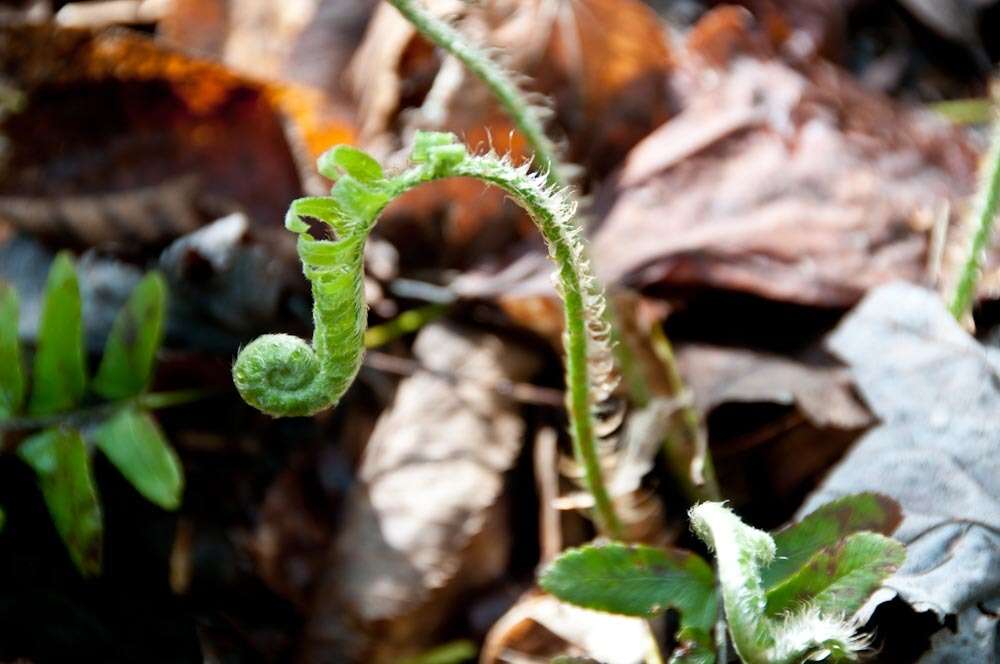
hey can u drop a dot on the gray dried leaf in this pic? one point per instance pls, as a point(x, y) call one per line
point(937, 393)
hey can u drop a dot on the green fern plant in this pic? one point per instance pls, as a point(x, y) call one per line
point(788, 598)
point(53, 426)
point(285, 376)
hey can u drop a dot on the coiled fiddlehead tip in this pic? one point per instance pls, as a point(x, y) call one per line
point(279, 375)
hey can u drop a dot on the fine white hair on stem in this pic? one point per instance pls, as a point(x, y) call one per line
point(741, 551)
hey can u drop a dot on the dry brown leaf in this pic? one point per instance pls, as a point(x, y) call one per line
point(823, 394)
point(604, 64)
point(413, 530)
point(112, 115)
point(291, 540)
point(794, 187)
point(804, 27)
point(300, 41)
point(540, 627)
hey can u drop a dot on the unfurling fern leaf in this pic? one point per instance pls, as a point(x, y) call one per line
point(284, 376)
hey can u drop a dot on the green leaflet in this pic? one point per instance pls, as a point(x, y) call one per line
point(130, 352)
point(60, 461)
point(59, 376)
point(637, 580)
point(344, 158)
point(826, 526)
point(11, 366)
point(135, 445)
point(839, 579)
point(130, 437)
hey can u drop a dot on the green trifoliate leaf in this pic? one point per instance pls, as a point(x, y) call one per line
point(798, 543)
point(130, 352)
point(11, 367)
point(839, 579)
point(344, 158)
point(635, 580)
point(60, 461)
point(59, 378)
point(135, 445)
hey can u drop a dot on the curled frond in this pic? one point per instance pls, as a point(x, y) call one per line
point(282, 375)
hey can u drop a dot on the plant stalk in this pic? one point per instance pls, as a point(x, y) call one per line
point(984, 216)
point(505, 89)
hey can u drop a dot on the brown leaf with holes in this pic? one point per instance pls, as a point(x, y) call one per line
point(121, 139)
point(425, 521)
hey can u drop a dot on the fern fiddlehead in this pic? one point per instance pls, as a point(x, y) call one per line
point(283, 375)
point(741, 552)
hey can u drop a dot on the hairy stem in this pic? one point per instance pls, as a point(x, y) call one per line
point(525, 116)
point(985, 214)
point(283, 376)
point(741, 552)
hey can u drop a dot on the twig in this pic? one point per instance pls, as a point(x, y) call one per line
point(520, 392)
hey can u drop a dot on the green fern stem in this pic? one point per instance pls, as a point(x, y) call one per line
point(741, 552)
point(282, 375)
point(527, 117)
point(985, 215)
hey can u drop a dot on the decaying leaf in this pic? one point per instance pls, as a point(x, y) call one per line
point(540, 627)
point(291, 539)
point(937, 393)
point(428, 485)
point(794, 186)
point(225, 281)
point(718, 376)
point(603, 63)
point(138, 123)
